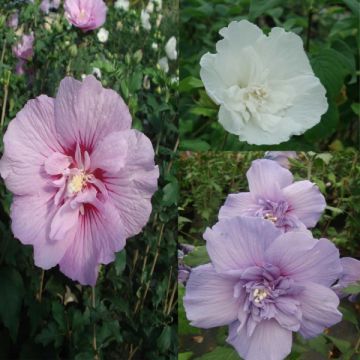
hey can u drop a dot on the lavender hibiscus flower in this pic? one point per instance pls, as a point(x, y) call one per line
point(274, 196)
point(265, 285)
point(350, 275)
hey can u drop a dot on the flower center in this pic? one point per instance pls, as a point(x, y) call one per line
point(271, 217)
point(257, 93)
point(77, 182)
point(82, 14)
point(259, 295)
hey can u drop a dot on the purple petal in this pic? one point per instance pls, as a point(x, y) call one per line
point(238, 243)
point(350, 275)
point(303, 258)
point(209, 300)
point(306, 201)
point(319, 309)
point(269, 341)
point(266, 177)
point(241, 204)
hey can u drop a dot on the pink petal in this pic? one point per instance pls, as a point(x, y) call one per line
point(87, 112)
point(29, 140)
point(269, 341)
point(237, 243)
point(306, 201)
point(99, 235)
point(132, 188)
point(303, 258)
point(209, 299)
point(64, 222)
point(40, 209)
point(56, 163)
point(266, 178)
point(110, 154)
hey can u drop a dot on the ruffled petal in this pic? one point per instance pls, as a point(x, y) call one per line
point(86, 112)
point(266, 178)
point(29, 140)
point(99, 235)
point(131, 189)
point(306, 201)
point(319, 309)
point(303, 258)
point(269, 341)
point(237, 243)
point(110, 154)
point(240, 204)
point(209, 299)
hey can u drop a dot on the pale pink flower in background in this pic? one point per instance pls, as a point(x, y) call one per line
point(47, 5)
point(24, 48)
point(86, 14)
point(13, 20)
point(82, 179)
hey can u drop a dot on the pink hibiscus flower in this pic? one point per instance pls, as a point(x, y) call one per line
point(86, 14)
point(82, 179)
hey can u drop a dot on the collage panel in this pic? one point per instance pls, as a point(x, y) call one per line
point(254, 281)
point(261, 75)
point(88, 210)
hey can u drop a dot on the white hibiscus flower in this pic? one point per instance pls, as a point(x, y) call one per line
point(170, 48)
point(265, 86)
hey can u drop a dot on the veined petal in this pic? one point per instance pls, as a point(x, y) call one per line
point(306, 201)
point(269, 341)
point(237, 243)
point(209, 300)
point(240, 204)
point(319, 309)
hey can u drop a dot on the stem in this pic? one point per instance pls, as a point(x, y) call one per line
point(41, 285)
point(93, 303)
point(310, 17)
point(6, 93)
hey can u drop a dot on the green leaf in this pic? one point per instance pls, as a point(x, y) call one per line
point(354, 6)
point(189, 84)
point(352, 289)
point(259, 7)
point(327, 125)
point(120, 262)
point(194, 145)
point(198, 256)
point(356, 108)
point(220, 353)
point(330, 67)
point(185, 356)
point(171, 193)
point(164, 340)
point(59, 315)
point(12, 292)
point(342, 345)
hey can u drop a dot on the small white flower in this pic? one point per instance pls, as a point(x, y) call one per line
point(145, 20)
point(154, 46)
point(158, 20)
point(83, 76)
point(122, 4)
point(97, 72)
point(103, 35)
point(163, 64)
point(170, 48)
point(265, 86)
point(150, 7)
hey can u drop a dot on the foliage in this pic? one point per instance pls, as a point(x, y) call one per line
point(208, 177)
point(330, 32)
point(46, 315)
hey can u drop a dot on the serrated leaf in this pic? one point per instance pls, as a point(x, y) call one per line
point(12, 292)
